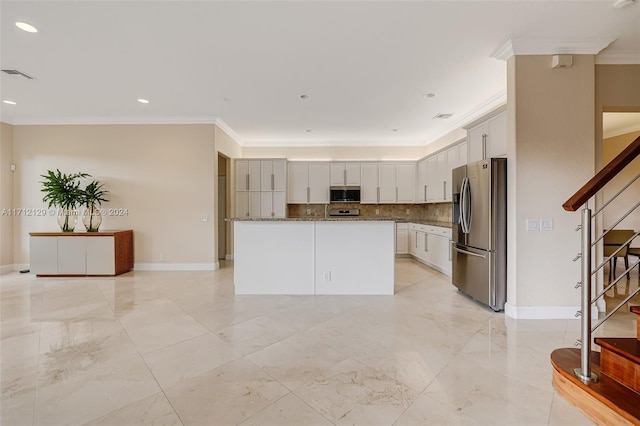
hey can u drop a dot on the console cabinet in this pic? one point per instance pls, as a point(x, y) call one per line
point(81, 253)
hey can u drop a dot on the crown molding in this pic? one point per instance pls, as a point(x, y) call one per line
point(538, 46)
point(111, 120)
point(229, 131)
point(626, 58)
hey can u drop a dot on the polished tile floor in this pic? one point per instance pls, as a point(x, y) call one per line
point(172, 348)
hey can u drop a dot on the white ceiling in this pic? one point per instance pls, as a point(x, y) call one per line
point(365, 65)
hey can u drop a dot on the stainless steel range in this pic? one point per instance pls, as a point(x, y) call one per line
point(344, 212)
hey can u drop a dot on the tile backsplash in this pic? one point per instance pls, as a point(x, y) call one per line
point(437, 212)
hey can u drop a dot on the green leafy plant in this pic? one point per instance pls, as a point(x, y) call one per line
point(93, 195)
point(63, 191)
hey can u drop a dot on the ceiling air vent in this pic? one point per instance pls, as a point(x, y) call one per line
point(443, 116)
point(18, 73)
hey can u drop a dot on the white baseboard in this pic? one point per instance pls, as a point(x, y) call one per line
point(228, 257)
point(545, 312)
point(5, 269)
point(176, 266)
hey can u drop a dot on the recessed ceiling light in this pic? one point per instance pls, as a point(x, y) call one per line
point(621, 4)
point(143, 101)
point(26, 27)
point(308, 130)
point(7, 101)
point(443, 116)
point(394, 130)
point(303, 97)
point(429, 95)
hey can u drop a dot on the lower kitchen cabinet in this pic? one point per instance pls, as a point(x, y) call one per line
point(81, 253)
point(402, 238)
point(431, 245)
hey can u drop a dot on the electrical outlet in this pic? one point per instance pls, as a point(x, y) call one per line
point(204, 218)
point(377, 211)
point(308, 211)
point(546, 224)
point(533, 225)
point(161, 256)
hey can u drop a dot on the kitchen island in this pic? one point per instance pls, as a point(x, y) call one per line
point(314, 256)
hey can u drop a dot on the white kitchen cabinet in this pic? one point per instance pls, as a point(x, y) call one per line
point(421, 189)
point(405, 182)
point(273, 175)
point(488, 138)
point(345, 174)
point(387, 183)
point(431, 245)
point(432, 190)
point(463, 154)
point(308, 182)
point(248, 175)
point(369, 183)
point(273, 204)
point(402, 238)
point(248, 204)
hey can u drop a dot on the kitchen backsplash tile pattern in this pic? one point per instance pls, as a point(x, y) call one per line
point(437, 212)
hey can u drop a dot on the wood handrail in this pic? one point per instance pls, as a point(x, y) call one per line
point(603, 177)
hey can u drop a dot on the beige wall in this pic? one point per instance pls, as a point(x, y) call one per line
point(552, 154)
point(6, 194)
point(164, 175)
point(612, 147)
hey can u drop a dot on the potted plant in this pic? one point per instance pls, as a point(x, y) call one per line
point(92, 197)
point(63, 191)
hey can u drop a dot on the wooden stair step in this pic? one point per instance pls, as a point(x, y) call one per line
point(635, 310)
point(626, 347)
point(606, 402)
point(620, 360)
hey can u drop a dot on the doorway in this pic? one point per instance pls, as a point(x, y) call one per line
point(223, 210)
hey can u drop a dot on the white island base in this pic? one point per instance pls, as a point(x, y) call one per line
point(314, 257)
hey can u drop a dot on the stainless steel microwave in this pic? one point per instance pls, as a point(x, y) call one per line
point(344, 194)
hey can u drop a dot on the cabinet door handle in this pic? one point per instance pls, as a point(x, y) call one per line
point(344, 176)
point(308, 194)
point(425, 192)
point(450, 249)
point(247, 182)
point(444, 190)
point(378, 194)
point(272, 182)
point(426, 244)
point(484, 146)
point(396, 194)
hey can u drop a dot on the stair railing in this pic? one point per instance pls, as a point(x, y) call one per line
point(581, 199)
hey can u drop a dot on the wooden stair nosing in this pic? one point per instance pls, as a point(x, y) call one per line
point(626, 347)
point(635, 310)
point(606, 401)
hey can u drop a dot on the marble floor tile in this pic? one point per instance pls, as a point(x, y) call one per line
point(227, 395)
point(188, 359)
point(353, 393)
point(180, 347)
point(154, 410)
point(289, 410)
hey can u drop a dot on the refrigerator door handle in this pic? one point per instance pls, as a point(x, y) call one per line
point(464, 221)
point(468, 252)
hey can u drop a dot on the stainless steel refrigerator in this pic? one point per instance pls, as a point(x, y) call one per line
point(479, 243)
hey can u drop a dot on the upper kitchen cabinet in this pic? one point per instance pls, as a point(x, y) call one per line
point(345, 174)
point(421, 189)
point(248, 175)
point(273, 175)
point(387, 183)
point(308, 182)
point(487, 137)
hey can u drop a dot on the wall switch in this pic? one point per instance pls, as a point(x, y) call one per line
point(308, 211)
point(377, 211)
point(161, 256)
point(13, 168)
point(204, 218)
point(546, 224)
point(327, 276)
point(533, 225)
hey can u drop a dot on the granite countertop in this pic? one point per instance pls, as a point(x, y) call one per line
point(312, 219)
point(338, 219)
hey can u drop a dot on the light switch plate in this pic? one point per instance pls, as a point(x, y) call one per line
point(546, 224)
point(533, 225)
